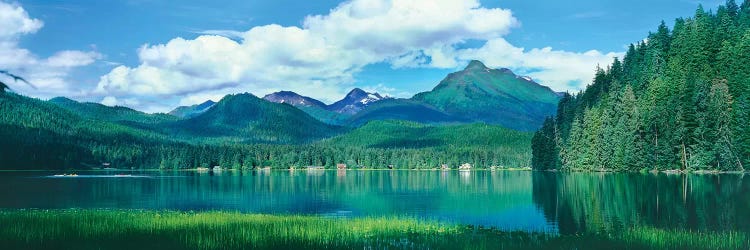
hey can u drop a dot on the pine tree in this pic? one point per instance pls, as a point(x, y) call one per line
point(720, 103)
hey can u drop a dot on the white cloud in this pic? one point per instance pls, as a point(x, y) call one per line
point(318, 59)
point(49, 75)
point(109, 101)
point(15, 21)
point(225, 33)
point(384, 90)
point(72, 58)
point(321, 57)
point(560, 70)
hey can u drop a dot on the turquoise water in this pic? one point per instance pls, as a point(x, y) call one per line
point(510, 200)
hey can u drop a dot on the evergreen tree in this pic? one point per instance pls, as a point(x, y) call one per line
point(678, 101)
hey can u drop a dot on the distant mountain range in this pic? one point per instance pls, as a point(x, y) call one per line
point(475, 94)
point(247, 118)
point(64, 133)
point(355, 101)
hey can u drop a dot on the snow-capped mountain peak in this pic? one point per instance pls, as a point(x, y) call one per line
point(355, 100)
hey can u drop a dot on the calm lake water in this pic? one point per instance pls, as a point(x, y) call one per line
point(510, 200)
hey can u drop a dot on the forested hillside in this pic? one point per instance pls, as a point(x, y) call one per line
point(495, 96)
point(41, 135)
point(38, 134)
point(677, 100)
point(403, 109)
point(482, 145)
point(245, 118)
point(115, 114)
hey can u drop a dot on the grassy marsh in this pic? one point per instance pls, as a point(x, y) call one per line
point(142, 229)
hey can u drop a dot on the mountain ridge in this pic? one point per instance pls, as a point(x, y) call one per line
point(496, 96)
point(247, 118)
point(192, 110)
point(293, 99)
point(476, 93)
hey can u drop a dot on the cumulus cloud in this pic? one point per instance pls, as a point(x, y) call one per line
point(321, 57)
point(15, 21)
point(49, 75)
point(387, 91)
point(560, 70)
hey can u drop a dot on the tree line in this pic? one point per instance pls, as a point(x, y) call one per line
point(39, 134)
point(678, 100)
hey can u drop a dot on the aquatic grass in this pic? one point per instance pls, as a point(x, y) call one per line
point(681, 239)
point(144, 229)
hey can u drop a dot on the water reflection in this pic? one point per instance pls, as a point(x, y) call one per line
point(532, 201)
point(502, 199)
point(578, 202)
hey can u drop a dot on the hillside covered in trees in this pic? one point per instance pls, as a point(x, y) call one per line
point(679, 100)
point(64, 134)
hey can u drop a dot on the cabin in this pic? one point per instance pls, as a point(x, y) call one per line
point(390, 167)
point(341, 166)
point(445, 167)
point(465, 167)
point(315, 168)
point(217, 168)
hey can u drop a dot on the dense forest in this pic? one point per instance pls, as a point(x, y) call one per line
point(45, 135)
point(678, 100)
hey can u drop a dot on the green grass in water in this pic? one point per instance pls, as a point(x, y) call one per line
point(137, 229)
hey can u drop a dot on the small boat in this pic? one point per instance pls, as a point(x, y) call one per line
point(123, 175)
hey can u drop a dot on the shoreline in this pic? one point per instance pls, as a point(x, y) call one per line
point(668, 172)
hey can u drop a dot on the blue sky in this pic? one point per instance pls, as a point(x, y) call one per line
point(130, 52)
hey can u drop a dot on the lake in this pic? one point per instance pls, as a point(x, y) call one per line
point(510, 200)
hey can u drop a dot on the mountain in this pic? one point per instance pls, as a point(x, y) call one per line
point(337, 113)
point(247, 118)
point(496, 96)
point(475, 94)
point(405, 134)
point(64, 134)
point(98, 111)
point(403, 109)
point(240, 132)
point(355, 101)
point(193, 110)
point(293, 99)
point(311, 106)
